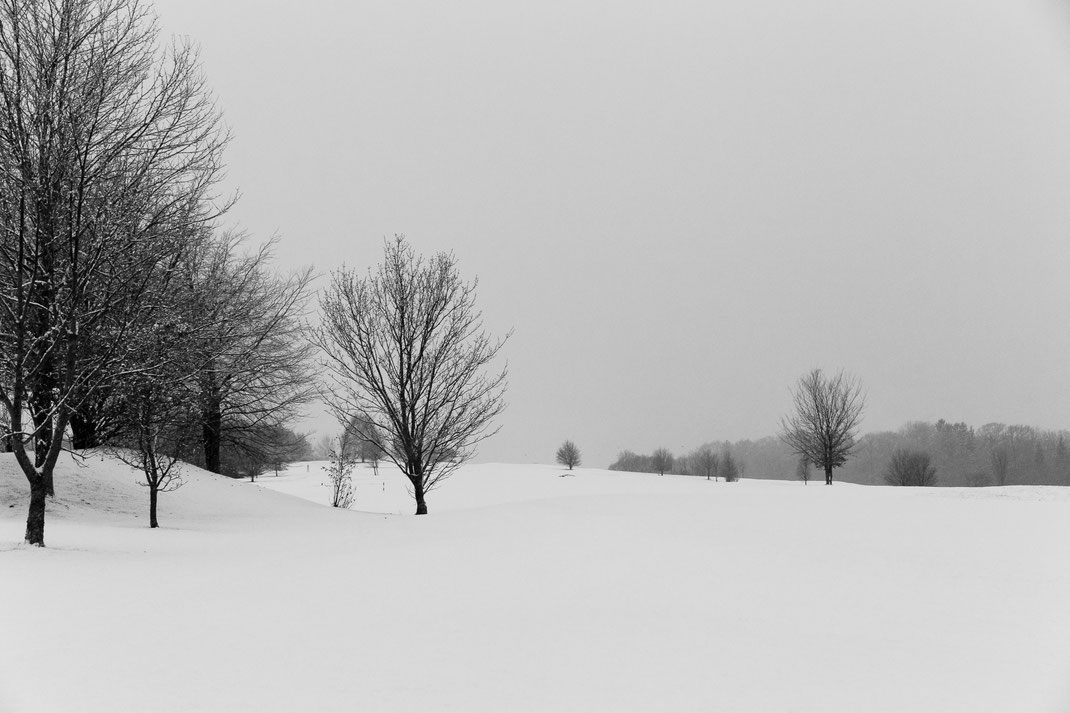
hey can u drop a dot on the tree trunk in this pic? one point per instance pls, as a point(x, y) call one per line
point(35, 521)
point(418, 491)
point(212, 426)
point(828, 475)
point(153, 494)
point(42, 444)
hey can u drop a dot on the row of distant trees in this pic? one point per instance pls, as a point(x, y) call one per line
point(957, 454)
point(710, 461)
point(822, 432)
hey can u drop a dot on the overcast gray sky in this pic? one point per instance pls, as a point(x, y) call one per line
point(682, 206)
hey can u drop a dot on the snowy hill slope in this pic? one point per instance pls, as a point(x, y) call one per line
point(97, 488)
point(525, 591)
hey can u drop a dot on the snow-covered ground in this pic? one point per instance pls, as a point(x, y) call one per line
point(526, 591)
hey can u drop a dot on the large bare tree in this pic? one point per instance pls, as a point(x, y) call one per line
point(256, 361)
point(405, 349)
point(824, 427)
point(109, 152)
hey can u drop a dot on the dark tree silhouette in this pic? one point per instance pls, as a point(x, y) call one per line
point(824, 426)
point(405, 348)
point(662, 461)
point(255, 375)
point(1000, 464)
point(568, 455)
point(730, 469)
point(706, 462)
point(912, 468)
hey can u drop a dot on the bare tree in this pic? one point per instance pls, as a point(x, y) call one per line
point(824, 426)
point(109, 151)
point(256, 373)
point(405, 347)
point(706, 461)
point(661, 460)
point(912, 468)
point(730, 469)
point(802, 470)
point(156, 402)
point(149, 422)
point(1001, 461)
point(322, 449)
point(568, 454)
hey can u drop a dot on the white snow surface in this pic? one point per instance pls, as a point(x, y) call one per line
point(527, 591)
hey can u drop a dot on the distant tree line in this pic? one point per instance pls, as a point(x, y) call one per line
point(959, 455)
point(711, 461)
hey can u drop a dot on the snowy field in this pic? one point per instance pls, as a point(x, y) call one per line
point(526, 591)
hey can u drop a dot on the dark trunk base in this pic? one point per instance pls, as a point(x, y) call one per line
point(153, 494)
point(35, 521)
point(418, 492)
point(83, 433)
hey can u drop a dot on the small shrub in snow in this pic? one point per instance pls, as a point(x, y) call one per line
point(339, 473)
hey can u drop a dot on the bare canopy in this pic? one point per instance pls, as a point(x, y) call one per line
point(824, 427)
point(405, 349)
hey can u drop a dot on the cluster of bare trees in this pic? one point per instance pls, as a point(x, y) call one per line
point(706, 461)
point(911, 468)
point(122, 316)
point(962, 455)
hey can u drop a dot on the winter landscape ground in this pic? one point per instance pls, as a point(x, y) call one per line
point(527, 591)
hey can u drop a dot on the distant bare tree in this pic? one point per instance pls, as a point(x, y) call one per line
point(706, 462)
point(662, 461)
point(729, 469)
point(681, 465)
point(322, 449)
point(1000, 464)
point(568, 455)
point(802, 470)
point(405, 347)
point(824, 426)
point(911, 468)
